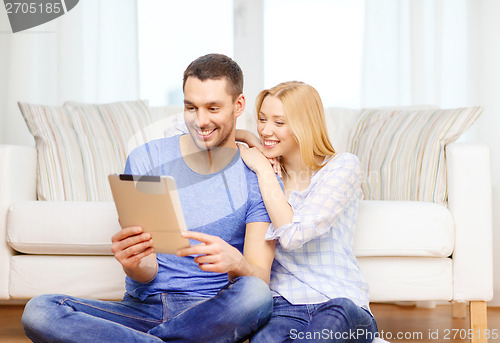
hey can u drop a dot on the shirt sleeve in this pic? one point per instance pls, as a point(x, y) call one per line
point(256, 209)
point(131, 166)
point(140, 161)
point(330, 193)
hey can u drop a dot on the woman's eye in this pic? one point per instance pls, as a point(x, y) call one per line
point(280, 123)
point(262, 120)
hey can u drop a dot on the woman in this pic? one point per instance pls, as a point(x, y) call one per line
point(319, 293)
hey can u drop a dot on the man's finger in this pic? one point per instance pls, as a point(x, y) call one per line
point(206, 259)
point(210, 268)
point(198, 249)
point(199, 236)
point(126, 232)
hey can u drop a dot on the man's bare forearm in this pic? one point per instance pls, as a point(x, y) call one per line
point(249, 269)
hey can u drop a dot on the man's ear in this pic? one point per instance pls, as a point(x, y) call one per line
point(239, 106)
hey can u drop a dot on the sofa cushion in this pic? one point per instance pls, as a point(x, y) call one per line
point(403, 228)
point(403, 151)
point(94, 277)
point(78, 145)
point(408, 278)
point(71, 228)
point(384, 228)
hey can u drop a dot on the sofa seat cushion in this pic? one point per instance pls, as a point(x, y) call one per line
point(383, 228)
point(403, 228)
point(408, 278)
point(71, 228)
point(94, 277)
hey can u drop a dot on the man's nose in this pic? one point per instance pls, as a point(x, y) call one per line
point(202, 117)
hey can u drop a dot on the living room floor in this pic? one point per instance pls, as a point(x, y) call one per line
point(411, 324)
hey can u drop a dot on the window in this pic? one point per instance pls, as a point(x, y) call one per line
point(318, 42)
point(315, 41)
point(173, 33)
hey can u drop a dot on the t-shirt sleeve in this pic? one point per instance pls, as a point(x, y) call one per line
point(256, 210)
point(135, 161)
point(144, 160)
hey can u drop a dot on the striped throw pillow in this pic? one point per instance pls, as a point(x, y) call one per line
point(78, 145)
point(403, 151)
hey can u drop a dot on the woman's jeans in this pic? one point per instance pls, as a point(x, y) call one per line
point(337, 320)
point(238, 310)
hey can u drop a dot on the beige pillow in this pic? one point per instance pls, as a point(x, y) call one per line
point(403, 151)
point(78, 145)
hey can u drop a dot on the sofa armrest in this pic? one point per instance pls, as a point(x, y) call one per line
point(17, 183)
point(470, 202)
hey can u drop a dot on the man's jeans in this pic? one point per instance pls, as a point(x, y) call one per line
point(337, 320)
point(239, 309)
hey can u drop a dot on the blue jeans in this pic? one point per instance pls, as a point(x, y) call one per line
point(337, 320)
point(239, 309)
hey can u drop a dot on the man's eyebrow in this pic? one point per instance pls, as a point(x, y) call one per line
point(210, 103)
point(214, 103)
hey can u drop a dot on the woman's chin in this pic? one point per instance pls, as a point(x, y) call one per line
point(270, 154)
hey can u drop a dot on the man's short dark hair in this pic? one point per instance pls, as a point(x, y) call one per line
point(214, 67)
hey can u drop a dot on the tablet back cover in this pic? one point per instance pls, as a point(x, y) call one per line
point(151, 202)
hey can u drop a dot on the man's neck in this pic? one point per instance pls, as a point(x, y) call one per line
point(205, 161)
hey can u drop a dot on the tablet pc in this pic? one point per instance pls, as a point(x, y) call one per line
point(151, 202)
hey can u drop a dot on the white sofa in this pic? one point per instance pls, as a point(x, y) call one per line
point(407, 250)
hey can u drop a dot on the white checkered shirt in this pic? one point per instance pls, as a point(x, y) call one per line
point(314, 260)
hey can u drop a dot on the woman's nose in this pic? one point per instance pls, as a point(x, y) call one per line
point(266, 130)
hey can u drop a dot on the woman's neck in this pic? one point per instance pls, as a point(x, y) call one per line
point(297, 175)
point(295, 165)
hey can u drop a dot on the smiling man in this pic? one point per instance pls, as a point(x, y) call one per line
point(216, 290)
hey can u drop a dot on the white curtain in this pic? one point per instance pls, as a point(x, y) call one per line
point(416, 52)
point(438, 52)
point(89, 55)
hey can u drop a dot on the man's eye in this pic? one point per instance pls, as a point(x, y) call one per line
point(189, 108)
point(213, 109)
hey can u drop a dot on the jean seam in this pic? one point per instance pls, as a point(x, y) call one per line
point(108, 311)
point(164, 307)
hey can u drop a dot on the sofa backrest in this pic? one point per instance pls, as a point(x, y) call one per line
point(402, 150)
point(339, 122)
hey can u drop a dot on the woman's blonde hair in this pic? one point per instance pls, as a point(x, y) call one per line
point(305, 115)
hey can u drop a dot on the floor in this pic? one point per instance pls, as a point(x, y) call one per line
point(397, 324)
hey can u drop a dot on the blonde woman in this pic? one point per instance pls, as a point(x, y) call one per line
point(319, 292)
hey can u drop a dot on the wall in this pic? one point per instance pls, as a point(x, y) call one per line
point(484, 89)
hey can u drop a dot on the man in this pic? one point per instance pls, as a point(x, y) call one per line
point(216, 289)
